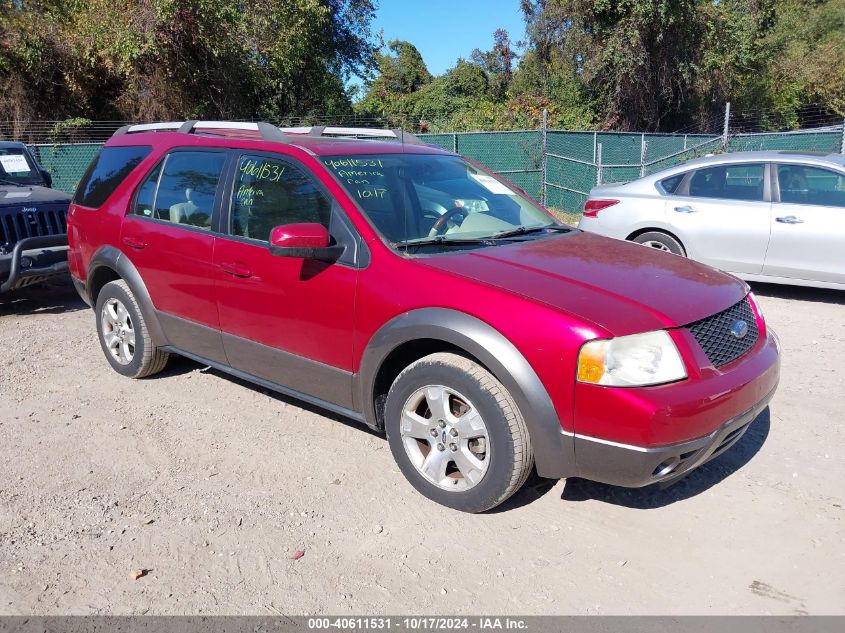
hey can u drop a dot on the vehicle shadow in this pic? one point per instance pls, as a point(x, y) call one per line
point(799, 293)
point(54, 297)
point(178, 365)
point(698, 481)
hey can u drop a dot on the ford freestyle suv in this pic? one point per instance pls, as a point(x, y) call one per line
point(33, 217)
point(414, 291)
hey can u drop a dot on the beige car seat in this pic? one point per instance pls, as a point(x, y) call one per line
point(181, 211)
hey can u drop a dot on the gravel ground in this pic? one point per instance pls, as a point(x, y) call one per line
point(209, 487)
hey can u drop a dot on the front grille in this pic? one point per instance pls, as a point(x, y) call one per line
point(715, 337)
point(19, 224)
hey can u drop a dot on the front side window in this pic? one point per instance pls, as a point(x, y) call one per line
point(182, 189)
point(106, 172)
point(729, 182)
point(18, 168)
point(811, 185)
point(269, 192)
point(414, 197)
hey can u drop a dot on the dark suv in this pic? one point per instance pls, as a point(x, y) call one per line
point(410, 289)
point(33, 221)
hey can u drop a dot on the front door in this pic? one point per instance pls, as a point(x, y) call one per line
point(721, 214)
point(168, 236)
point(286, 320)
point(808, 225)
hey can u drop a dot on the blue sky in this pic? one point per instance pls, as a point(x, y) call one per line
point(444, 30)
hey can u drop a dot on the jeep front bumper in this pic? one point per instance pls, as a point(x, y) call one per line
point(33, 260)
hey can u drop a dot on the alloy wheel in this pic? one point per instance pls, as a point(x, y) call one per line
point(118, 331)
point(445, 438)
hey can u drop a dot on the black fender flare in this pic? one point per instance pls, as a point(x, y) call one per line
point(113, 258)
point(554, 452)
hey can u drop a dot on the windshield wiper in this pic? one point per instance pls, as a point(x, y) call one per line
point(442, 240)
point(6, 181)
point(525, 230)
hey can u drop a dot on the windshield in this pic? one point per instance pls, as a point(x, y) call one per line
point(17, 168)
point(419, 197)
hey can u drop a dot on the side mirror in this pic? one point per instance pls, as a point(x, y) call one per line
point(48, 179)
point(307, 240)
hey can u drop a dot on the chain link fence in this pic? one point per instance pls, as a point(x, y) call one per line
point(558, 167)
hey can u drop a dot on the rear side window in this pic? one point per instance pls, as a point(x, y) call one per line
point(182, 189)
point(106, 172)
point(811, 185)
point(729, 182)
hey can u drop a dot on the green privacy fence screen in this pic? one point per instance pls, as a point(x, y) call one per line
point(575, 162)
point(557, 167)
point(66, 162)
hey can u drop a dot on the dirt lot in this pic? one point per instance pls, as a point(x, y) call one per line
point(212, 485)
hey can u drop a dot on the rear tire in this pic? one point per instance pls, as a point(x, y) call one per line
point(457, 434)
point(661, 241)
point(123, 333)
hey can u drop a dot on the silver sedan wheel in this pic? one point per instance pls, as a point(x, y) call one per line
point(658, 245)
point(118, 331)
point(445, 438)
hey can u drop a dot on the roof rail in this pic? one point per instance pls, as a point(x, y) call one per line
point(356, 132)
point(270, 132)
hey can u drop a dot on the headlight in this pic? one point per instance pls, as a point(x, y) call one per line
point(631, 361)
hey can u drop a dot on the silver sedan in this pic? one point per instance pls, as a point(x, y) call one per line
point(774, 216)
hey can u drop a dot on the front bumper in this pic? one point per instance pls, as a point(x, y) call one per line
point(638, 436)
point(33, 260)
point(636, 466)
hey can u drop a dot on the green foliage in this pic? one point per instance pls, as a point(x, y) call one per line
point(613, 64)
point(158, 59)
point(645, 65)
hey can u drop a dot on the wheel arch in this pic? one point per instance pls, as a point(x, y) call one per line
point(425, 331)
point(109, 264)
point(657, 229)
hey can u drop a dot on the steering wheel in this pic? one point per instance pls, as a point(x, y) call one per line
point(439, 226)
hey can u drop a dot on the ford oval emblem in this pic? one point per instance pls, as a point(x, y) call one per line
point(739, 329)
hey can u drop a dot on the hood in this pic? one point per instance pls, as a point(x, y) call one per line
point(620, 286)
point(28, 195)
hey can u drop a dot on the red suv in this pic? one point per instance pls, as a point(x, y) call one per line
point(411, 289)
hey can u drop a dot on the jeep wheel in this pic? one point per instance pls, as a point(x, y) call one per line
point(123, 333)
point(456, 433)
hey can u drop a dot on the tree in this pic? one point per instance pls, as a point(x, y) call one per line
point(158, 59)
point(636, 58)
point(497, 62)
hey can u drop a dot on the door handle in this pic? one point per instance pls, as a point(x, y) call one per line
point(789, 219)
point(237, 270)
point(134, 242)
point(685, 209)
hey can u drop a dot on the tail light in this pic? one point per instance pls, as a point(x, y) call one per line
point(592, 207)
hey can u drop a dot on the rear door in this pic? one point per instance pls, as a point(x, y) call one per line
point(808, 227)
point(169, 236)
point(722, 215)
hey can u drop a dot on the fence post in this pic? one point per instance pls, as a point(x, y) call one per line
point(598, 164)
point(685, 142)
point(545, 158)
point(455, 142)
point(595, 146)
point(727, 125)
point(642, 155)
point(842, 143)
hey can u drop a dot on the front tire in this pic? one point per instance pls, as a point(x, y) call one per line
point(123, 333)
point(661, 241)
point(457, 434)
